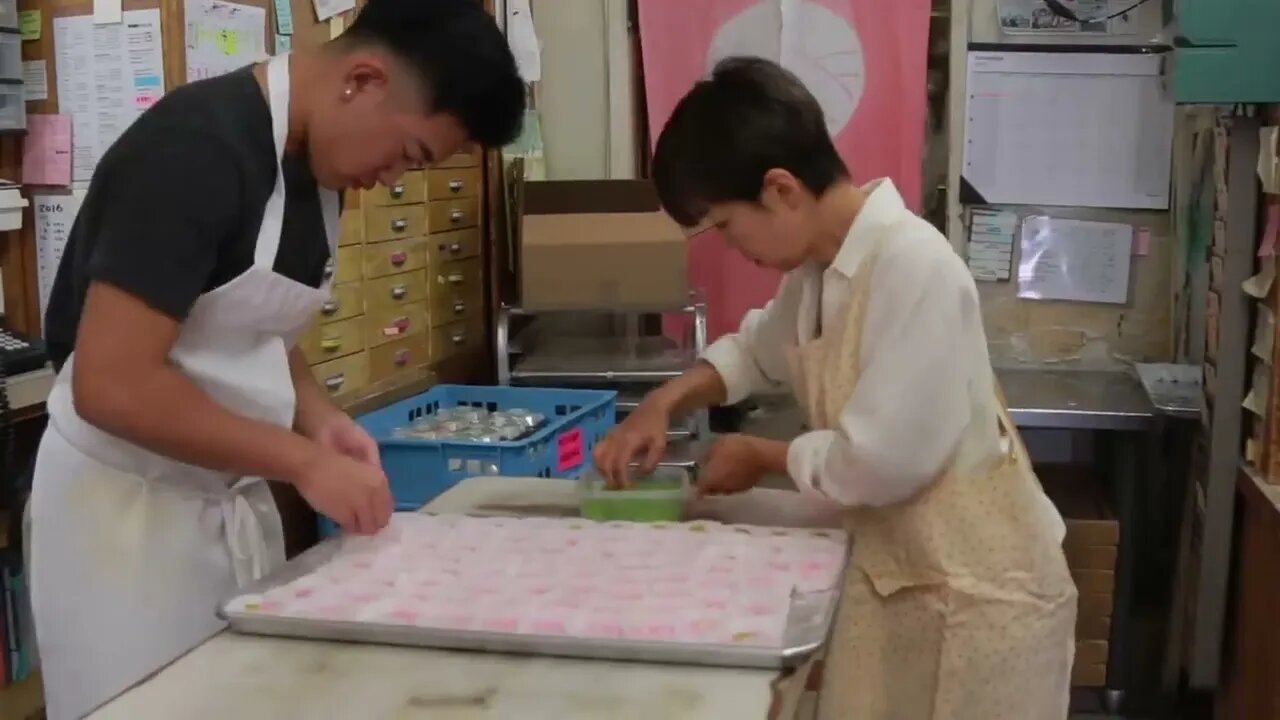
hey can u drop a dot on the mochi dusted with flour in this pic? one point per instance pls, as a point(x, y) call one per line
point(702, 583)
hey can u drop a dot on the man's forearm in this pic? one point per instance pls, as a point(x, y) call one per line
point(163, 411)
point(314, 405)
point(696, 388)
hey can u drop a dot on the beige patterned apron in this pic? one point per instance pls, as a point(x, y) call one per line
point(958, 604)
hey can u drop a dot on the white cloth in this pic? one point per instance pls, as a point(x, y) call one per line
point(926, 378)
point(132, 551)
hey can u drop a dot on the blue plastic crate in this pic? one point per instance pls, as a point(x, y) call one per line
point(419, 470)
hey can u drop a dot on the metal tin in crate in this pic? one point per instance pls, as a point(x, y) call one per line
point(419, 469)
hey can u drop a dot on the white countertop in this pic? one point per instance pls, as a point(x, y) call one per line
point(247, 677)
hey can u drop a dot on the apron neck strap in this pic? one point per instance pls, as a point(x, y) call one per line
point(264, 254)
point(1007, 428)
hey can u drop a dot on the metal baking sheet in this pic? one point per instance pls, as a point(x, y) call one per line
point(808, 626)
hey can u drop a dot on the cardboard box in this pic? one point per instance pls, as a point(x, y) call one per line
point(1094, 582)
point(1093, 627)
point(1085, 557)
point(1075, 492)
point(1088, 676)
point(1091, 652)
point(600, 245)
point(1094, 605)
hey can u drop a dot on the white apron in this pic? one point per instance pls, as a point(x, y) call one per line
point(958, 604)
point(132, 551)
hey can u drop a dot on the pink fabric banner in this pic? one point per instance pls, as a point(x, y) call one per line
point(863, 59)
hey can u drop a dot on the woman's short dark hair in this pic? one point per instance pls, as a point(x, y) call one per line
point(461, 56)
point(749, 117)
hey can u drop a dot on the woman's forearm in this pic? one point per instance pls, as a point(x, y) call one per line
point(696, 388)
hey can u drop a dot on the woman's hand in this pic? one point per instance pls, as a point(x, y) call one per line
point(643, 434)
point(737, 463)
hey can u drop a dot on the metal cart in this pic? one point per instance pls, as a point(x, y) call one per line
point(621, 358)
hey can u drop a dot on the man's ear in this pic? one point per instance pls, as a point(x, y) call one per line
point(782, 188)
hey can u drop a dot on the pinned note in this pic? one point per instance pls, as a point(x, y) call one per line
point(284, 17)
point(54, 216)
point(1259, 285)
point(223, 36)
point(107, 12)
point(336, 26)
point(46, 152)
point(991, 235)
point(30, 23)
point(35, 80)
point(1271, 231)
point(1269, 159)
point(523, 37)
point(326, 9)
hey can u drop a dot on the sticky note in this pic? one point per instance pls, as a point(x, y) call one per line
point(46, 152)
point(284, 17)
point(228, 42)
point(284, 44)
point(29, 24)
point(336, 26)
point(1142, 241)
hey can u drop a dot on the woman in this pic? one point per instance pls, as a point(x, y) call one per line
point(958, 602)
point(198, 256)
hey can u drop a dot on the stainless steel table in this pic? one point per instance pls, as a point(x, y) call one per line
point(1076, 400)
point(1127, 432)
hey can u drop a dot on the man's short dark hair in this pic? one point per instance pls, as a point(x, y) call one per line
point(749, 117)
point(462, 57)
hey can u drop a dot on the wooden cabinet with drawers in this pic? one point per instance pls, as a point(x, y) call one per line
point(408, 281)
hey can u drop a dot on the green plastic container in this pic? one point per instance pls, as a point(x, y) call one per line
point(659, 496)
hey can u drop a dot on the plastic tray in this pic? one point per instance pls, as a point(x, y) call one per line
point(659, 496)
point(419, 470)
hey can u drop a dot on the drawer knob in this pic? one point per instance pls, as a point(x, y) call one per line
point(455, 186)
point(458, 338)
point(328, 268)
point(456, 216)
point(399, 224)
point(329, 307)
point(459, 307)
point(399, 258)
point(396, 191)
point(397, 326)
point(401, 358)
point(454, 248)
point(334, 382)
point(454, 279)
point(331, 344)
point(398, 292)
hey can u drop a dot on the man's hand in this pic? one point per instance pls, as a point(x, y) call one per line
point(643, 434)
point(737, 463)
point(343, 435)
point(351, 492)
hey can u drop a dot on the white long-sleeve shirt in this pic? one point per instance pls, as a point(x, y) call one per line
point(924, 398)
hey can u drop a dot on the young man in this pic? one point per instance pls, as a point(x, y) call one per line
point(958, 602)
point(198, 257)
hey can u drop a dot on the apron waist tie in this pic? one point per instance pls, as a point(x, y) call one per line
point(246, 537)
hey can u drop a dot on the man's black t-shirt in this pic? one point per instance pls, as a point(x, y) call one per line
point(174, 206)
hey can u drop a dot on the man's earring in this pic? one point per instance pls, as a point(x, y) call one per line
point(346, 93)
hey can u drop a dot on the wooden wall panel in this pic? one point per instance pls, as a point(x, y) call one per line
point(17, 249)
